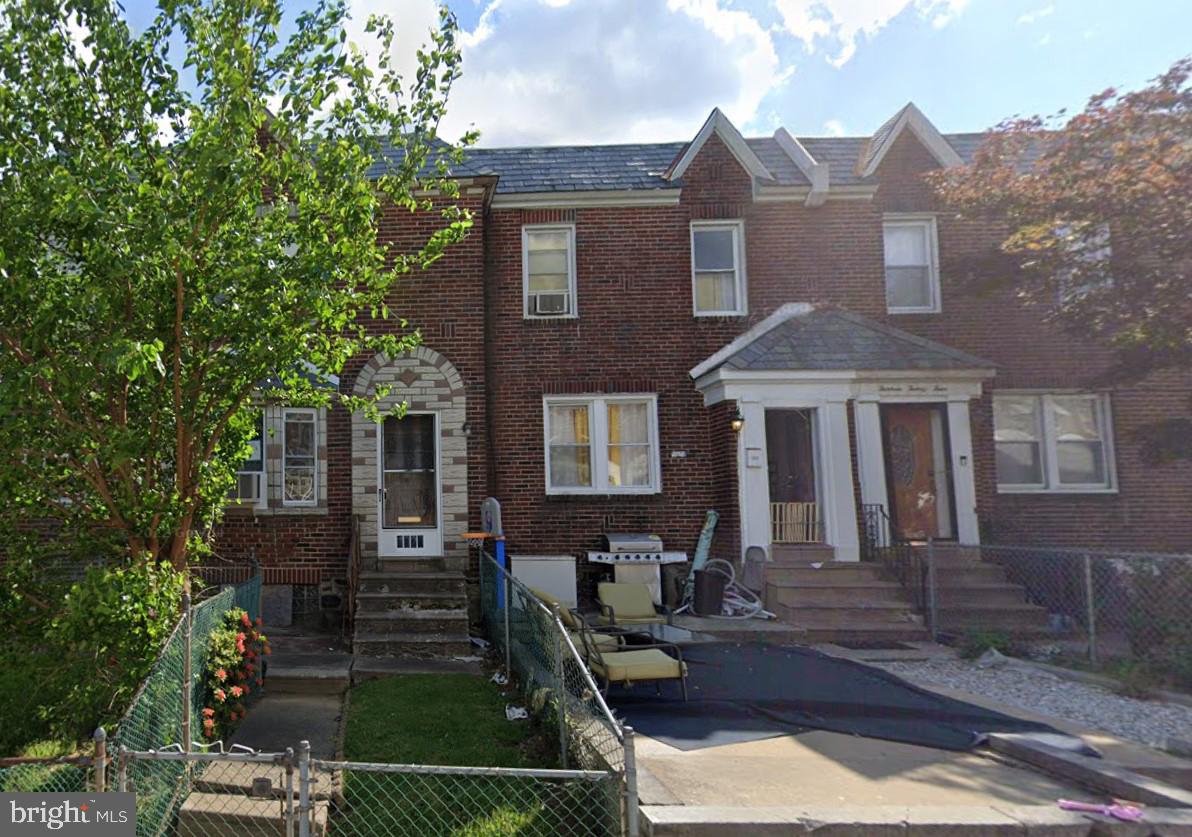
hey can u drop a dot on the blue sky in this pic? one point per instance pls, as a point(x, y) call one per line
point(568, 71)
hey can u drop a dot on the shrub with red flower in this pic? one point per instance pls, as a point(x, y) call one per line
point(233, 648)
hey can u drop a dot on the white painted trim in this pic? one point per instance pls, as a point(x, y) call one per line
point(314, 413)
point(871, 457)
point(813, 170)
point(926, 222)
point(911, 117)
point(964, 482)
point(572, 280)
point(597, 405)
point(737, 227)
point(719, 124)
point(768, 193)
point(780, 316)
point(432, 536)
point(595, 198)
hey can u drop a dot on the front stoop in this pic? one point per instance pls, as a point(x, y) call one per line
point(244, 816)
point(838, 601)
point(412, 607)
point(976, 595)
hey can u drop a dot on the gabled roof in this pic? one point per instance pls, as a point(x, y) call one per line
point(800, 337)
point(717, 123)
point(910, 117)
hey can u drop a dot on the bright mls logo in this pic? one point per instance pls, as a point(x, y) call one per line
point(68, 814)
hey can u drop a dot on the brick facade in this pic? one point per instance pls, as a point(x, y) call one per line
point(488, 368)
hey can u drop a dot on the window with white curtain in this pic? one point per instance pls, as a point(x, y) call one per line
point(601, 444)
point(299, 467)
point(1053, 442)
point(912, 265)
point(717, 268)
point(548, 271)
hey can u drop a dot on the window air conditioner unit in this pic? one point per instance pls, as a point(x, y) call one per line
point(550, 303)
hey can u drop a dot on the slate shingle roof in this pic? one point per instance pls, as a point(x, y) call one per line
point(831, 339)
point(572, 168)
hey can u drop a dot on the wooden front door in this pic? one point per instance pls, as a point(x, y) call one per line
point(917, 472)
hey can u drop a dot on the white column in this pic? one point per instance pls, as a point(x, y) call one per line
point(753, 478)
point(839, 500)
point(871, 459)
point(963, 481)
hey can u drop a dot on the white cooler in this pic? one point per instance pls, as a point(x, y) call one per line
point(554, 574)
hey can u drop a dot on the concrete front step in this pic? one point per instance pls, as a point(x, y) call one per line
point(838, 572)
point(782, 554)
point(875, 614)
point(422, 564)
point(401, 581)
point(236, 778)
point(244, 816)
point(827, 593)
point(1018, 619)
point(956, 576)
point(416, 645)
point(949, 594)
point(387, 602)
point(414, 622)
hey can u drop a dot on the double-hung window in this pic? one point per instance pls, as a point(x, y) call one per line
point(718, 268)
point(250, 488)
point(602, 444)
point(912, 264)
point(548, 271)
point(1053, 442)
point(299, 457)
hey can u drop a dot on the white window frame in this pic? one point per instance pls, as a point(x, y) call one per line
point(737, 227)
point(1048, 445)
point(314, 414)
point(572, 291)
point(262, 499)
point(598, 433)
point(927, 223)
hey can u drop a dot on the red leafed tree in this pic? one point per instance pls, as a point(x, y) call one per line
point(1099, 213)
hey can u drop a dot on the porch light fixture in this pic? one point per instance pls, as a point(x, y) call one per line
point(737, 421)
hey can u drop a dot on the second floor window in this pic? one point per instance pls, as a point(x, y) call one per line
point(548, 271)
point(717, 268)
point(912, 265)
point(250, 478)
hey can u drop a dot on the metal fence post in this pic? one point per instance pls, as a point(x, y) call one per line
point(560, 686)
point(289, 808)
point(1090, 605)
point(101, 760)
point(508, 606)
point(303, 789)
point(932, 607)
point(631, 825)
point(188, 615)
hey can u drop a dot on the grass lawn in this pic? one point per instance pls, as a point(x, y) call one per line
point(459, 720)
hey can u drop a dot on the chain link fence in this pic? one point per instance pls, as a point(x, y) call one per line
point(541, 654)
point(1108, 607)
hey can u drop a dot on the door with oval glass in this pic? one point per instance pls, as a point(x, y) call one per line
point(408, 489)
point(918, 475)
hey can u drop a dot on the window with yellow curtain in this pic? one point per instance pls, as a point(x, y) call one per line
point(602, 444)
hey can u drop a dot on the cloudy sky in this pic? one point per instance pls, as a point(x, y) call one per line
point(574, 71)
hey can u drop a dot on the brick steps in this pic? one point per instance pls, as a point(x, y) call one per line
point(375, 602)
point(411, 582)
point(450, 621)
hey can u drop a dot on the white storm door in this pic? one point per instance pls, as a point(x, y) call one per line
point(408, 492)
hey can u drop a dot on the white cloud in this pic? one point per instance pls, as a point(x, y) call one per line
point(835, 128)
point(553, 71)
point(838, 25)
point(1028, 18)
point(1045, 40)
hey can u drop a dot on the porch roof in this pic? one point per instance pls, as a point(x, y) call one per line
point(805, 338)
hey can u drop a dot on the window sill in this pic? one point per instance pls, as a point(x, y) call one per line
point(549, 317)
point(704, 314)
point(601, 495)
point(1065, 491)
point(904, 311)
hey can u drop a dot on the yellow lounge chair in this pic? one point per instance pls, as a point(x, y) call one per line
point(633, 663)
point(572, 622)
point(628, 604)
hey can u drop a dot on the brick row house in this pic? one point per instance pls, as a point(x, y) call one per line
point(783, 329)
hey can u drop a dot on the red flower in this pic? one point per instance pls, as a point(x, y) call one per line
point(258, 623)
point(220, 695)
point(236, 691)
point(208, 712)
point(208, 724)
point(244, 620)
point(221, 675)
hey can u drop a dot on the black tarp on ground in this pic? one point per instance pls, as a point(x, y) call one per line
point(749, 691)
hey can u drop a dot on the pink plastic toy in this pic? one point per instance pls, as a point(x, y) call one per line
point(1117, 810)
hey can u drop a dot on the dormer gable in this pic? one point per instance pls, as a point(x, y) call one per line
point(720, 125)
point(909, 118)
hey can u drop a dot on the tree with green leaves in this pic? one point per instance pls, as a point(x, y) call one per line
point(1098, 209)
point(190, 223)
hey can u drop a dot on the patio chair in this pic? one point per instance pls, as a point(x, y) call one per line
point(634, 663)
point(628, 604)
point(572, 621)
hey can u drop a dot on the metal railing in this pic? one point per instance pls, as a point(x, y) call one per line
point(795, 523)
point(542, 654)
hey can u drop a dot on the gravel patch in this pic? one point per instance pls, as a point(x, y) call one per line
point(1146, 722)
